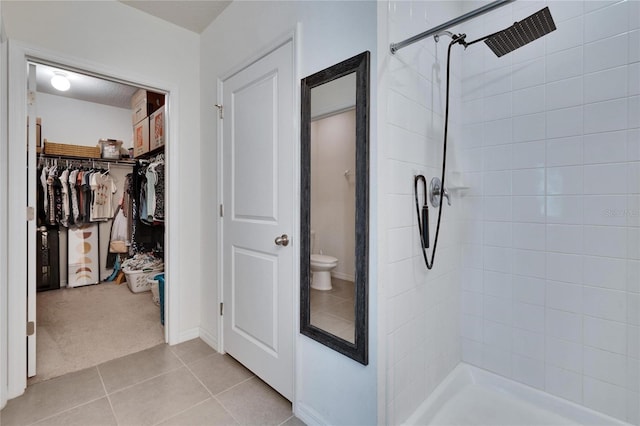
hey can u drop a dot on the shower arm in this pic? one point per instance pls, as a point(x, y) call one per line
point(394, 47)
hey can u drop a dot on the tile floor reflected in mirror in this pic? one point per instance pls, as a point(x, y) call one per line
point(334, 310)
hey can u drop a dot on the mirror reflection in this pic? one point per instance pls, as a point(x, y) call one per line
point(334, 207)
point(333, 202)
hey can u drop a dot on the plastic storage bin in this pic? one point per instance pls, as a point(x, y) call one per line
point(161, 288)
point(137, 280)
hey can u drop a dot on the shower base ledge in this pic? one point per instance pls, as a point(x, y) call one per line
point(472, 396)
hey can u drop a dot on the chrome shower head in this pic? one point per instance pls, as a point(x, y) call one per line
point(521, 33)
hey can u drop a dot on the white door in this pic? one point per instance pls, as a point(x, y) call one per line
point(31, 224)
point(258, 184)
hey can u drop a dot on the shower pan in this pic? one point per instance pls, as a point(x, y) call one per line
point(501, 43)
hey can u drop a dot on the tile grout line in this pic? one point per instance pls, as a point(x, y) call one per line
point(64, 411)
point(213, 396)
point(288, 418)
point(107, 395)
point(144, 380)
point(184, 364)
point(68, 409)
point(180, 412)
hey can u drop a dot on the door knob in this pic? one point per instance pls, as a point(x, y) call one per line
point(282, 240)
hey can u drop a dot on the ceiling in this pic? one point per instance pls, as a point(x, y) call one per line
point(85, 87)
point(193, 15)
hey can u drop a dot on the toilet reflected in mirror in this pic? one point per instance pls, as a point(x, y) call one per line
point(321, 267)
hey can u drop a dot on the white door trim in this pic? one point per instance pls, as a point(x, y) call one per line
point(292, 36)
point(4, 165)
point(15, 350)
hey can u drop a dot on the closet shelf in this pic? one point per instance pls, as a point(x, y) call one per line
point(125, 161)
point(151, 153)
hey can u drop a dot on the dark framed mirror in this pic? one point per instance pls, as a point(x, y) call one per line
point(334, 220)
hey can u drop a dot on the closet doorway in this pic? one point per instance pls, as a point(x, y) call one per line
point(89, 279)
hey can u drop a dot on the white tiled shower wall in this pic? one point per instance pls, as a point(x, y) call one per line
point(422, 325)
point(551, 149)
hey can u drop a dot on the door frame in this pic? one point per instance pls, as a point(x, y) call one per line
point(19, 54)
point(293, 36)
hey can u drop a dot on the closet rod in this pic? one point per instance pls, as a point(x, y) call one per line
point(122, 162)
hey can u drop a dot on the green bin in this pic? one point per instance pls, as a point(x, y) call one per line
point(160, 279)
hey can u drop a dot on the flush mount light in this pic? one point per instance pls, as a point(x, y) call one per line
point(60, 81)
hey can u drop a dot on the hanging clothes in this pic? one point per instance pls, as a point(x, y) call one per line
point(147, 232)
point(72, 195)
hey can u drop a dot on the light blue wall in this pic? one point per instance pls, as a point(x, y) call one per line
point(330, 388)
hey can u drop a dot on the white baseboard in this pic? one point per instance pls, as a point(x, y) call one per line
point(190, 334)
point(308, 415)
point(209, 338)
point(343, 276)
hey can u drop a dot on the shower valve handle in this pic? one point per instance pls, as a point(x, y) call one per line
point(437, 192)
point(445, 194)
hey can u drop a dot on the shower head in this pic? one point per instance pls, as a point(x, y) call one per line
point(520, 33)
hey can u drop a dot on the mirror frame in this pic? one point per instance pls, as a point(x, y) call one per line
point(358, 350)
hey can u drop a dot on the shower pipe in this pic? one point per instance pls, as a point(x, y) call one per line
point(502, 42)
point(394, 47)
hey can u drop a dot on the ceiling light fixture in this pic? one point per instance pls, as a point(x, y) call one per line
point(60, 81)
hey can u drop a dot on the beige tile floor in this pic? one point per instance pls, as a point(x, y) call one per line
point(184, 385)
point(334, 310)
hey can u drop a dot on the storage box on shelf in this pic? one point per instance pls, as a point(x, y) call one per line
point(110, 148)
point(66, 150)
point(156, 129)
point(141, 138)
point(144, 103)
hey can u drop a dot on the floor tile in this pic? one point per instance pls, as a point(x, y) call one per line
point(157, 399)
point(134, 368)
point(96, 413)
point(219, 372)
point(208, 413)
point(344, 310)
point(53, 396)
point(343, 289)
point(321, 301)
point(192, 350)
point(329, 322)
point(255, 403)
point(294, 421)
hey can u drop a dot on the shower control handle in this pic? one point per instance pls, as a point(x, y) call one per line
point(445, 194)
point(436, 192)
point(282, 240)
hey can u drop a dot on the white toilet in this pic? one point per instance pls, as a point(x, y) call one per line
point(321, 267)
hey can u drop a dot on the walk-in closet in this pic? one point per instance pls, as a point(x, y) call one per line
point(100, 219)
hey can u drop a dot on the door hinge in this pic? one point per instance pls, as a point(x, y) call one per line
point(31, 328)
point(221, 210)
point(31, 97)
point(220, 108)
point(221, 308)
point(31, 213)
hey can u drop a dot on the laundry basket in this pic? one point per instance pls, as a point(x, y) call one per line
point(137, 280)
